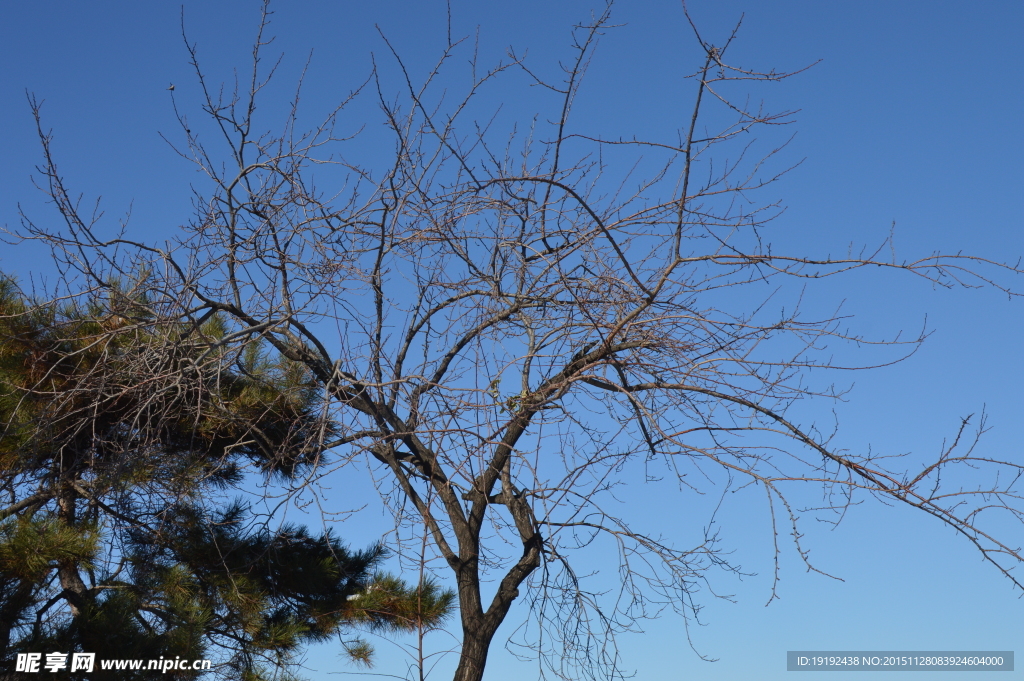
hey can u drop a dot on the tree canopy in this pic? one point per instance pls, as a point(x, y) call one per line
point(121, 439)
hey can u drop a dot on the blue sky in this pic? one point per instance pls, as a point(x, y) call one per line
point(912, 116)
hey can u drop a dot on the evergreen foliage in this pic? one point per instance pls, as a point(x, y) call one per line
point(119, 440)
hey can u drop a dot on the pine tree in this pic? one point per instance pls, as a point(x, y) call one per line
point(120, 442)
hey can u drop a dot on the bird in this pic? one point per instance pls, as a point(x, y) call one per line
point(171, 87)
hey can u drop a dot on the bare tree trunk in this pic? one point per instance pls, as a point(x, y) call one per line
point(478, 626)
point(475, 643)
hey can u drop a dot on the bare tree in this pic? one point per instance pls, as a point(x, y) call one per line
point(503, 323)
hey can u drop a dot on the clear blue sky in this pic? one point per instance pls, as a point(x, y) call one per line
point(913, 116)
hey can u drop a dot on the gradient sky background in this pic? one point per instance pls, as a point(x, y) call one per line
point(913, 116)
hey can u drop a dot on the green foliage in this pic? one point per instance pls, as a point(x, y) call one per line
point(389, 605)
point(99, 377)
point(116, 434)
point(29, 548)
point(29, 545)
point(277, 588)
